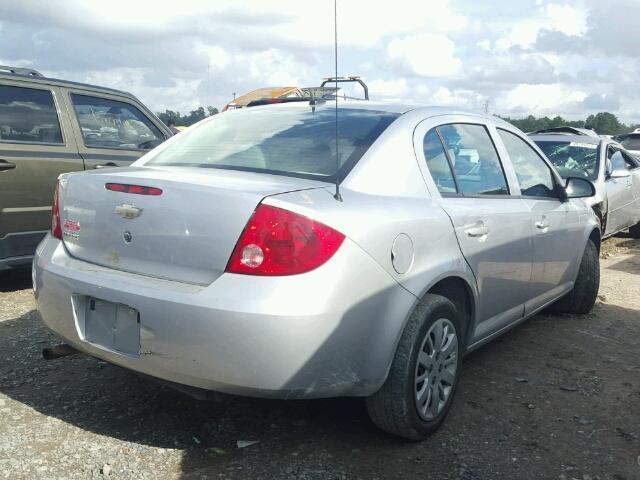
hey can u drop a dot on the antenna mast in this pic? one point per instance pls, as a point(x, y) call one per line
point(337, 195)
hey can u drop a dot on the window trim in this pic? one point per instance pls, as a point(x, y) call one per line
point(56, 106)
point(554, 177)
point(453, 172)
point(126, 149)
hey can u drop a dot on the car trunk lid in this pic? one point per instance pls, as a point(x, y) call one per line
point(186, 233)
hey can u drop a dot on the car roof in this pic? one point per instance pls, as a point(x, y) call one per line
point(554, 137)
point(66, 83)
point(389, 107)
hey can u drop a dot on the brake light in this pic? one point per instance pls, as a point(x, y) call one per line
point(279, 242)
point(56, 229)
point(136, 189)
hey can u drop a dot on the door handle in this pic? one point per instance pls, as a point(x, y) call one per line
point(4, 165)
point(480, 229)
point(106, 165)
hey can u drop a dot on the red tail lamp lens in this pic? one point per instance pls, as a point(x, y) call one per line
point(136, 189)
point(279, 242)
point(56, 229)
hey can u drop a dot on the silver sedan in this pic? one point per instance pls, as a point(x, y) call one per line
point(227, 260)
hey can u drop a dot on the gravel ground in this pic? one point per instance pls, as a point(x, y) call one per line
point(557, 397)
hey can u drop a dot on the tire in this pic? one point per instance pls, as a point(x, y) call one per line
point(394, 408)
point(585, 291)
point(634, 231)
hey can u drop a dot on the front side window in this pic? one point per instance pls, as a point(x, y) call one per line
point(28, 115)
point(474, 158)
point(572, 159)
point(437, 163)
point(534, 175)
point(109, 123)
point(295, 139)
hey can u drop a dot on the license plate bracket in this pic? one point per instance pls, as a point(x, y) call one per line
point(113, 326)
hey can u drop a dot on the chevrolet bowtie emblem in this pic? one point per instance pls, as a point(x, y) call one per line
point(127, 211)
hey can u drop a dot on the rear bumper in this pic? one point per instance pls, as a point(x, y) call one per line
point(329, 332)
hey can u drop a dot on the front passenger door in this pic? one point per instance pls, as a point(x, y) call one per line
point(556, 223)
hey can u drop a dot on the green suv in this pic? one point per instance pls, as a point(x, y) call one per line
point(48, 127)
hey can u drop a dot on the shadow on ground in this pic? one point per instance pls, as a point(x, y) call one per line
point(558, 395)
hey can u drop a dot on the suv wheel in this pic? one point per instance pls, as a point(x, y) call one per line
point(585, 291)
point(417, 395)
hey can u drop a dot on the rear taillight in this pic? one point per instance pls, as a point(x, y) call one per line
point(280, 242)
point(56, 229)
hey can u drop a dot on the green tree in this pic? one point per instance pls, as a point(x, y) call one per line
point(605, 123)
point(186, 120)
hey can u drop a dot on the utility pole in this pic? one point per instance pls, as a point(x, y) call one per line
point(486, 106)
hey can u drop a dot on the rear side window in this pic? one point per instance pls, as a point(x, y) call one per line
point(438, 164)
point(28, 115)
point(109, 123)
point(534, 175)
point(475, 162)
point(297, 140)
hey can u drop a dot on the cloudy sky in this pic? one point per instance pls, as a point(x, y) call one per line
point(559, 57)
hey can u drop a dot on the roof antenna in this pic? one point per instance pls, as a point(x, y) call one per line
point(337, 195)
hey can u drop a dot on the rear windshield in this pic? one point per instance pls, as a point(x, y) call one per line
point(572, 159)
point(297, 141)
point(630, 142)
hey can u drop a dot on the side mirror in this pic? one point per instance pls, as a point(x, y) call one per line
point(579, 188)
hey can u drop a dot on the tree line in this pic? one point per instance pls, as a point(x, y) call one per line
point(185, 120)
point(604, 123)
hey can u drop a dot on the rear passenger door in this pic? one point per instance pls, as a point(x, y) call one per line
point(557, 226)
point(111, 131)
point(36, 145)
point(493, 226)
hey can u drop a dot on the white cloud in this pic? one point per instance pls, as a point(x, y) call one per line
point(567, 19)
point(541, 99)
point(425, 55)
point(388, 88)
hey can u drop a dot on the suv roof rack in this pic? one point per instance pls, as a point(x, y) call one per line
point(567, 131)
point(20, 71)
point(350, 78)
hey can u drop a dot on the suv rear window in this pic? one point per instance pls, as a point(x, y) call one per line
point(572, 159)
point(292, 140)
point(28, 115)
point(630, 141)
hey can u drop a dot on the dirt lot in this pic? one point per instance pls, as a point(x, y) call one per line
point(558, 397)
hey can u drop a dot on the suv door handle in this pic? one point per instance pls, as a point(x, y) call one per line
point(106, 165)
point(4, 165)
point(480, 229)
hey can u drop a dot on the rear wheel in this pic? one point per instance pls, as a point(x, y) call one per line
point(635, 231)
point(417, 395)
point(585, 291)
